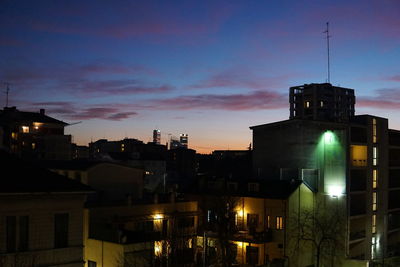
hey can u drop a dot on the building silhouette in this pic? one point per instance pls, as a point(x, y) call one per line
point(34, 135)
point(351, 161)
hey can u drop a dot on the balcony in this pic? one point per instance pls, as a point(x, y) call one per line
point(357, 235)
point(255, 237)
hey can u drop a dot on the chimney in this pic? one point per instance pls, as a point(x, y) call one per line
point(42, 111)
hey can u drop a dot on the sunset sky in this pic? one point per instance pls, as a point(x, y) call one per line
point(209, 69)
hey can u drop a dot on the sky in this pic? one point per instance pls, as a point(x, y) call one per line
point(209, 69)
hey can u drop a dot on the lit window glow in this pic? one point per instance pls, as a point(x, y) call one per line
point(374, 197)
point(157, 248)
point(279, 222)
point(158, 216)
point(374, 179)
point(335, 190)
point(374, 139)
point(25, 129)
point(358, 155)
point(374, 156)
point(373, 224)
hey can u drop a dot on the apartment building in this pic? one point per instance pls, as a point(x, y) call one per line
point(353, 159)
point(41, 216)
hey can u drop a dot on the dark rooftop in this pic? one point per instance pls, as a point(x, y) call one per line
point(19, 176)
point(14, 115)
point(272, 189)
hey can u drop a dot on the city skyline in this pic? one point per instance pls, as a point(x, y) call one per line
point(208, 69)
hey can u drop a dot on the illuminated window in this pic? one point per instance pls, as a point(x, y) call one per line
point(268, 222)
point(373, 224)
point(374, 196)
point(374, 130)
point(122, 147)
point(307, 104)
point(25, 129)
point(321, 103)
point(374, 156)
point(358, 155)
point(14, 135)
point(279, 222)
point(374, 179)
point(33, 146)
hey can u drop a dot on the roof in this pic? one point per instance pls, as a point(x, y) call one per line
point(298, 121)
point(14, 115)
point(18, 176)
point(80, 164)
point(270, 189)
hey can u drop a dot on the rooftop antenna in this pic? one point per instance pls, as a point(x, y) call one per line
point(7, 92)
point(327, 45)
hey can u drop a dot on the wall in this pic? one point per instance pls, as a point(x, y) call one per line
point(41, 210)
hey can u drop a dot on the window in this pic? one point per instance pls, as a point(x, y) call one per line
point(122, 147)
point(252, 220)
point(307, 104)
point(11, 231)
point(374, 139)
point(358, 155)
point(17, 227)
point(33, 146)
point(253, 187)
point(14, 136)
point(321, 103)
point(23, 233)
point(374, 179)
point(279, 222)
point(92, 264)
point(61, 230)
point(164, 227)
point(373, 224)
point(374, 156)
point(25, 129)
point(374, 197)
point(232, 186)
point(78, 176)
point(268, 221)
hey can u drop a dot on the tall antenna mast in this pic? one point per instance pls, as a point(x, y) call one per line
point(7, 92)
point(327, 45)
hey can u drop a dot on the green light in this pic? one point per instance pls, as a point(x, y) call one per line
point(329, 137)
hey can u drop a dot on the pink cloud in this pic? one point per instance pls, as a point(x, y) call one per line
point(7, 41)
point(119, 87)
point(252, 101)
point(394, 78)
point(240, 78)
point(385, 99)
point(83, 79)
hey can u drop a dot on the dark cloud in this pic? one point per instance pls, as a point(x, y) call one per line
point(69, 111)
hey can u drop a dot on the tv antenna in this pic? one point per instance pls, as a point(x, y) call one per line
point(7, 92)
point(327, 46)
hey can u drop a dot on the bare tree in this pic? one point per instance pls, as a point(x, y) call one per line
point(324, 228)
point(222, 223)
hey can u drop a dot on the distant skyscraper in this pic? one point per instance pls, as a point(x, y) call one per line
point(183, 138)
point(156, 137)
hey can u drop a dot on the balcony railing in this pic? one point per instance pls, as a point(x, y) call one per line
point(357, 235)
